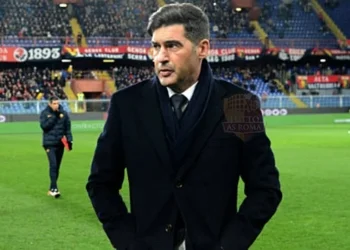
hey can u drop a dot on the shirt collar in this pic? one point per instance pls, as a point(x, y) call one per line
point(188, 93)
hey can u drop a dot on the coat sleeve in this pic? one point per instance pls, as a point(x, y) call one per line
point(47, 121)
point(106, 179)
point(262, 190)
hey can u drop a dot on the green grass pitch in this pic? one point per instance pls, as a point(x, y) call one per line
point(312, 153)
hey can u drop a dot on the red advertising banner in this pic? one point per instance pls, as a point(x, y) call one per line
point(144, 53)
point(323, 82)
point(216, 55)
point(118, 52)
point(7, 54)
point(107, 50)
point(29, 54)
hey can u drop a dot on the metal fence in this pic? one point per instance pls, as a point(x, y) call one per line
point(101, 105)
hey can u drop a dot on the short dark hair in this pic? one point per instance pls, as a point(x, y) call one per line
point(53, 98)
point(195, 21)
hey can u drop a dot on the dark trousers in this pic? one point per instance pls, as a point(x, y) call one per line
point(54, 155)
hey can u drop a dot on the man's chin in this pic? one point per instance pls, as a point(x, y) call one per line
point(167, 82)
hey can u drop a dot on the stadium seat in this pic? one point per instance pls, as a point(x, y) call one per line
point(33, 23)
point(301, 30)
point(339, 15)
point(103, 23)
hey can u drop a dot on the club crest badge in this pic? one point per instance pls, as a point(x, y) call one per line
point(243, 116)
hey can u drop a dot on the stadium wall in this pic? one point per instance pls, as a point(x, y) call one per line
point(102, 115)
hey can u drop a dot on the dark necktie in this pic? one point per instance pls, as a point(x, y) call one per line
point(178, 102)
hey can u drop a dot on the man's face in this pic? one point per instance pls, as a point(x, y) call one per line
point(176, 59)
point(54, 105)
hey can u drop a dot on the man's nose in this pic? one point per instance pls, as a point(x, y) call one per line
point(162, 55)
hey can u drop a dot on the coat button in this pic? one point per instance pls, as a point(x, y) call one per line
point(179, 184)
point(169, 228)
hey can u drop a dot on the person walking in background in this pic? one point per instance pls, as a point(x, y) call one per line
point(56, 126)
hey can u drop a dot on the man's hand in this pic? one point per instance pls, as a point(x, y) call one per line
point(70, 145)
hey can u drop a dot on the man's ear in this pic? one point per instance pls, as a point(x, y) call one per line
point(203, 48)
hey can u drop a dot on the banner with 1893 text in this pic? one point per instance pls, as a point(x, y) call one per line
point(29, 54)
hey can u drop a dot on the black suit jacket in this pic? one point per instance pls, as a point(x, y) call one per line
point(204, 188)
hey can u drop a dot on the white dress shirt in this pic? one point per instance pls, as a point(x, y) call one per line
point(188, 93)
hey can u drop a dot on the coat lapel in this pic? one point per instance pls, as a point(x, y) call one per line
point(151, 118)
point(206, 126)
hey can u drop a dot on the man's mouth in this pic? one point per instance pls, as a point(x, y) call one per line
point(165, 72)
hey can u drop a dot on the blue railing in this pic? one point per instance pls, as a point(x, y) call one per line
point(35, 107)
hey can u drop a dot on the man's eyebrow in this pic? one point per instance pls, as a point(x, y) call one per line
point(173, 42)
point(168, 42)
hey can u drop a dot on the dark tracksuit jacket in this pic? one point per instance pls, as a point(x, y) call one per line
point(55, 125)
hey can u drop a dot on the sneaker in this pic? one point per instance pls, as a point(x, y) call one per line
point(54, 193)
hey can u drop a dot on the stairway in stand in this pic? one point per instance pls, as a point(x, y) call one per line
point(161, 3)
point(76, 29)
point(299, 103)
point(110, 83)
point(260, 33)
point(330, 23)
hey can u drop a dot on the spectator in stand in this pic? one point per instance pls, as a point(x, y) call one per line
point(117, 18)
point(127, 19)
point(79, 39)
point(127, 76)
point(306, 5)
point(244, 76)
point(82, 74)
point(31, 83)
point(223, 20)
point(28, 85)
point(331, 3)
point(29, 18)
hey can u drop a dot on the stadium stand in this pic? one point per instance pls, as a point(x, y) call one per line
point(82, 74)
point(228, 27)
point(27, 84)
point(291, 24)
point(295, 24)
point(339, 12)
point(126, 76)
point(260, 80)
point(32, 22)
point(104, 23)
point(257, 79)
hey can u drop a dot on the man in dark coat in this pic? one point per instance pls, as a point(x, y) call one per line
point(185, 139)
point(56, 126)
